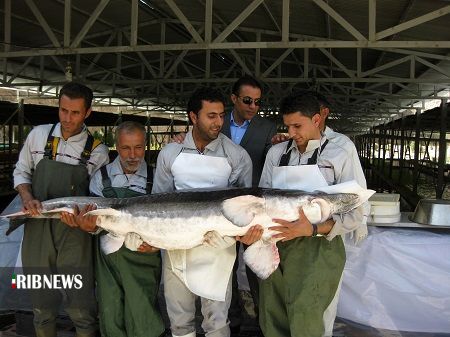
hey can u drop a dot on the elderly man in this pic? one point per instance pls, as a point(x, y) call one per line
point(56, 161)
point(127, 281)
point(206, 159)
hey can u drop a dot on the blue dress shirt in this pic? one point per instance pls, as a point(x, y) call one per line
point(237, 131)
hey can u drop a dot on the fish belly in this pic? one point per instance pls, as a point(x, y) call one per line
point(172, 232)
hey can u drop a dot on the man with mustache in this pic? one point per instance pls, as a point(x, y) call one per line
point(206, 159)
point(56, 161)
point(127, 281)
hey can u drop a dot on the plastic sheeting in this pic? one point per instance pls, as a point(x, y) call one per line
point(9, 253)
point(398, 279)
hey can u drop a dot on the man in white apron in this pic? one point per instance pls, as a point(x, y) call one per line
point(206, 159)
point(296, 297)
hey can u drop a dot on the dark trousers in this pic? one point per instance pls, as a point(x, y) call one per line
point(235, 311)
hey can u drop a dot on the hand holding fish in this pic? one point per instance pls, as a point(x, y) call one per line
point(293, 229)
point(253, 234)
point(31, 205)
point(146, 248)
point(215, 240)
point(79, 218)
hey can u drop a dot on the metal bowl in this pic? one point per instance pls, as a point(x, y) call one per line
point(434, 212)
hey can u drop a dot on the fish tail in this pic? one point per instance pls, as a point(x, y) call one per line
point(263, 258)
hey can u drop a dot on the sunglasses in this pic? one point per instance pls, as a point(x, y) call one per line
point(248, 100)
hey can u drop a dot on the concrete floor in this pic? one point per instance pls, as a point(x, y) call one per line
point(342, 328)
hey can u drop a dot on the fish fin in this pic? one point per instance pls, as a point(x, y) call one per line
point(263, 258)
point(241, 210)
point(323, 212)
point(15, 223)
point(105, 211)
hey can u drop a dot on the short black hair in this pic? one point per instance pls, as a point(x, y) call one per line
point(75, 90)
point(245, 80)
point(305, 104)
point(323, 101)
point(208, 94)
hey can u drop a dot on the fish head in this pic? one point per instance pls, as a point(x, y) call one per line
point(341, 203)
point(319, 208)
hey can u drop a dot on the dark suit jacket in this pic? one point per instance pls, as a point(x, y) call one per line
point(256, 141)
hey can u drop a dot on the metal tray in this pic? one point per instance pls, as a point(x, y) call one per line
point(434, 212)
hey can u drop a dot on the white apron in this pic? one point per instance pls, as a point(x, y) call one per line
point(204, 270)
point(307, 178)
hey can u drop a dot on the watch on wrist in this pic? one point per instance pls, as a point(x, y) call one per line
point(314, 233)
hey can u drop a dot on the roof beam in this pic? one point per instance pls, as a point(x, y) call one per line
point(179, 14)
point(16, 73)
point(229, 45)
point(268, 80)
point(339, 19)
point(386, 66)
point(98, 10)
point(98, 56)
point(372, 19)
point(269, 13)
point(285, 22)
point(43, 23)
point(239, 19)
point(7, 29)
point(208, 20)
point(277, 62)
point(134, 22)
point(413, 23)
point(240, 61)
point(337, 62)
point(178, 59)
point(67, 22)
point(433, 66)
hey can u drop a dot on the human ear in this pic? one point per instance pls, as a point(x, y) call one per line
point(193, 116)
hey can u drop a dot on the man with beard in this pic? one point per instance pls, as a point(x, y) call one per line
point(254, 133)
point(205, 159)
point(127, 281)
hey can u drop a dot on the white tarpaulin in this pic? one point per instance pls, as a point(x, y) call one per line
point(398, 279)
point(9, 252)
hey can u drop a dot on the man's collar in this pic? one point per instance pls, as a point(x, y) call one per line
point(57, 133)
point(190, 144)
point(232, 122)
point(328, 131)
point(312, 144)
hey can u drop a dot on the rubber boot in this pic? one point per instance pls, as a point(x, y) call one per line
point(191, 334)
point(88, 334)
point(48, 330)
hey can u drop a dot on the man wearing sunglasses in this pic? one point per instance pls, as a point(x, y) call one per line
point(254, 133)
point(245, 127)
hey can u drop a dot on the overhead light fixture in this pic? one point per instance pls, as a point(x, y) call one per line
point(68, 72)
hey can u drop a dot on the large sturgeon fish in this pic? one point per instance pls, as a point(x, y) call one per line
point(182, 220)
